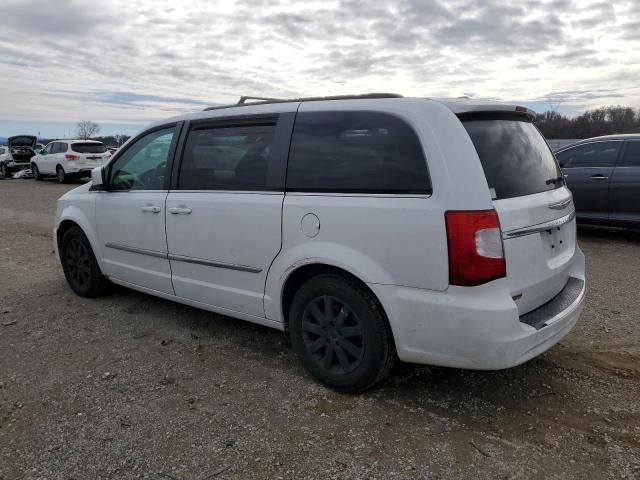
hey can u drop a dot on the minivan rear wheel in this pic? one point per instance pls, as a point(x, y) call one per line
point(340, 333)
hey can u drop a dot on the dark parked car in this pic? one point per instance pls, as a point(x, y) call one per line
point(603, 174)
point(20, 150)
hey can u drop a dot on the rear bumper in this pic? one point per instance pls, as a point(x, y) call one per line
point(80, 171)
point(13, 165)
point(474, 328)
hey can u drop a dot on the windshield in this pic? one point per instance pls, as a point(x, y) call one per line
point(22, 141)
point(514, 155)
point(88, 147)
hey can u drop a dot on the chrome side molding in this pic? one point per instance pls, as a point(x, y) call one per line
point(541, 227)
point(141, 251)
point(183, 258)
point(210, 263)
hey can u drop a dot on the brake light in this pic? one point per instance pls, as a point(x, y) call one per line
point(71, 156)
point(476, 255)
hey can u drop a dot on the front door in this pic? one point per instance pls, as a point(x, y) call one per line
point(624, 189)
point(130, 214)
point(587, 169)
point(224, 216)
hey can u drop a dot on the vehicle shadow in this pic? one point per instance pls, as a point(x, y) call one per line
point(481, 396)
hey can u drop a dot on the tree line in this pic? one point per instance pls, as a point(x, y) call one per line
point(592, 123)
point(87, 129)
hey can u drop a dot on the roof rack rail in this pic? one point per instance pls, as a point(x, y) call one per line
point(264, 100)
point(244, 98)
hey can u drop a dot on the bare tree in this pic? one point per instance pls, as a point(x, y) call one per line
point(554, 103)
point(87, 129)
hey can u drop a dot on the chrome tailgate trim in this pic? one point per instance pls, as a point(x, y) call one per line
point(541, 227)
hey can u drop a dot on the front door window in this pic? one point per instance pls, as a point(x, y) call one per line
point(143, 165)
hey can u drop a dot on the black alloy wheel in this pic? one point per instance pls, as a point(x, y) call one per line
point(76, 259)
point(80, 266)
point(332, 333)
point(341, 333)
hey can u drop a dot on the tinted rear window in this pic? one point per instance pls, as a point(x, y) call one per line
point(88, 147)
point(514, 155)
point(356, 152)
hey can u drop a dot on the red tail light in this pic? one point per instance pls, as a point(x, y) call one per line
point(476, 255)
point(71, 156)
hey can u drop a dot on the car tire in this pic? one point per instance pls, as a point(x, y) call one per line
point(36, 172)
point(80, 266)
point(341, 334)
point(6, 172)
point(61, 175)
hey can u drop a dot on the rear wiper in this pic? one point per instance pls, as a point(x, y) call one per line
point(555, 180)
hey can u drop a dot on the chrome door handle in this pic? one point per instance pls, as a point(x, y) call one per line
point(180, 210)
point(599, 177)
point(151, 209)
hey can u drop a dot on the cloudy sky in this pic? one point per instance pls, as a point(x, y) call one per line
point(124, 63)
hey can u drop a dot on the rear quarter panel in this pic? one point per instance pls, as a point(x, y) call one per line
point(386, 239)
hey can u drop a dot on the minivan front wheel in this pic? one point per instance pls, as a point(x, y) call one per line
point(80, 266)
point(340, 333)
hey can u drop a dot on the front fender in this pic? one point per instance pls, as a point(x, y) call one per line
point(323, 253)
point(85, 220)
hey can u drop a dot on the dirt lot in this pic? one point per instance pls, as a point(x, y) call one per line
point(130, 386)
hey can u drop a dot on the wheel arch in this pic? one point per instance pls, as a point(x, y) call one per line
point(64, 226)
point(73, 216)
point(303, 273)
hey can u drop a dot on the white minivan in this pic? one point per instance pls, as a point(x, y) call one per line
point(370, 228)
point(67, 159)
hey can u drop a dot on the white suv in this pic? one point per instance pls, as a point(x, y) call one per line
point(68, 159)
point(369, 228)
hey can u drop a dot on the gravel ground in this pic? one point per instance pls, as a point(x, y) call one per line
point(131, 386)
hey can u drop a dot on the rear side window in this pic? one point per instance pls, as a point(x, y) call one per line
point(59, 147)
point(356, 152)
point(227, 158)
point(597, 154)
point(631, 155)
point(88, 147)
point(515, 157)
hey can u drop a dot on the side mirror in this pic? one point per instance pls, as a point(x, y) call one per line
point(97, 179)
